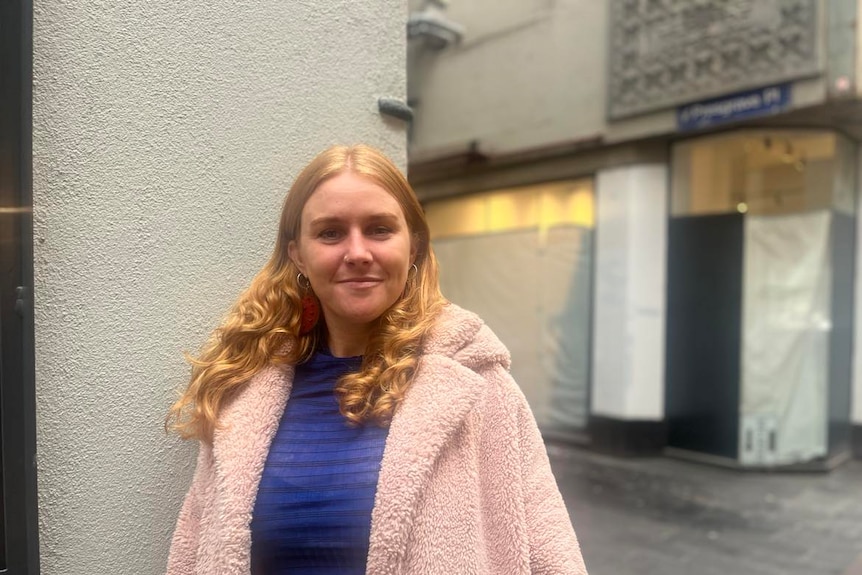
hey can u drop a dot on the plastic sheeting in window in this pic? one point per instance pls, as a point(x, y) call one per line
point(533, 289)
point(785, 338)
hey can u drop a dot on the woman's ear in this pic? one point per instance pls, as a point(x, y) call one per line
point(293, 254)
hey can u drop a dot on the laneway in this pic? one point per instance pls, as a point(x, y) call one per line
point(669, 517)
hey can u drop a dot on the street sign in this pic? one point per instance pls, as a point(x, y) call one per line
point(738, 106)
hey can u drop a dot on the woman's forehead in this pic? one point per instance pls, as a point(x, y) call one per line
point(348, 196)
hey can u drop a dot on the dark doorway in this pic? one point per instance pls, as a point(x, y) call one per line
point(703, 333)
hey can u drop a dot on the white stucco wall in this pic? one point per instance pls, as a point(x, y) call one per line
point(164, 138)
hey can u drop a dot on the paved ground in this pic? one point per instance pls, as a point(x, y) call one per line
point(670, 517)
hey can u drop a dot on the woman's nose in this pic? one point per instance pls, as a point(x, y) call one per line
point(357, 249)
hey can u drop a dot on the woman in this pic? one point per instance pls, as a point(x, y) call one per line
point(353, 421)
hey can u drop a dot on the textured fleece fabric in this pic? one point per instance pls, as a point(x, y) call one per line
point(465, 485)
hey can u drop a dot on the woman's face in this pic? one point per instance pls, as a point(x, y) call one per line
point(355, 248)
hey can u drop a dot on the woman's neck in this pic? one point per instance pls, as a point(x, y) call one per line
point(348, 342)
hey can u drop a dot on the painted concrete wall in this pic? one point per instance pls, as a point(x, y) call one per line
point(628, 372)
point(165, 136)
point(528, 73)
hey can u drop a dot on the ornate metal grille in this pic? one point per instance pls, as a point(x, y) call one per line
point(668, 52)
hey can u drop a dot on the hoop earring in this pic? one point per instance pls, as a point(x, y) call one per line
point(310, 306)
point(410, 279)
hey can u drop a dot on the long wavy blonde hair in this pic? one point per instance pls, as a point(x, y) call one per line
point(262, 327)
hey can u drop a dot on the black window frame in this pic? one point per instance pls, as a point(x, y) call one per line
point(18, 513)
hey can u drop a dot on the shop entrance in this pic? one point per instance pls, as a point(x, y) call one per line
point(760, 297)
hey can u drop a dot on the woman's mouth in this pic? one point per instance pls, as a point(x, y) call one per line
point(361, 282)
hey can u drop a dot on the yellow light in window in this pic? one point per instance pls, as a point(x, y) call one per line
point(511, 210)
point(534, 207)
point(583, 208)
point(458, 217)
point(568, 205)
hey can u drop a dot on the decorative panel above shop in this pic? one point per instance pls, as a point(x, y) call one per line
point(664, 53)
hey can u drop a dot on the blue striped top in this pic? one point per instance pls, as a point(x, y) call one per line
point(312, 514)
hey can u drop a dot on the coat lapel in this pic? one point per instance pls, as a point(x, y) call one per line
point(240, 448)
point(436, 404)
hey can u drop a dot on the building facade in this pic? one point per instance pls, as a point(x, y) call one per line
point(654, 203)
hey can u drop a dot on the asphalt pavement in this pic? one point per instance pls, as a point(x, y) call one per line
point(665, 516)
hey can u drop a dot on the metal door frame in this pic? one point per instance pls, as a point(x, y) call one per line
point(17, 381)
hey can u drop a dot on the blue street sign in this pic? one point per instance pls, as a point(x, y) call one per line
point(739, 106)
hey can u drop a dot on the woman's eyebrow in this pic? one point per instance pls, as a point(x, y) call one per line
point(323, 220)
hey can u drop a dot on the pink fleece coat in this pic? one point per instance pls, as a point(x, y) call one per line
point(465, 485)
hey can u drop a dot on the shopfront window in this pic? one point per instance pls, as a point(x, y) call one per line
point(762, 172)
point(760, 295)
point(522, 259)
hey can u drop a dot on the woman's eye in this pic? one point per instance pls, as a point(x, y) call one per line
point(328, 234)
point(381, 231)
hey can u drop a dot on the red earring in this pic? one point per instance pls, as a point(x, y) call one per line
point(310, 306)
